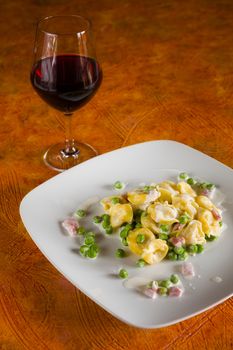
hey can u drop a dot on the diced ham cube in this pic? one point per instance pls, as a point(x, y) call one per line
point(175, 292)
point(177, 241)
point(70, 225)
point(150, 293)
point(187, 270)
point(216, 214)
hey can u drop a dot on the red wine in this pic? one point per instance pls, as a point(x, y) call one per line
point(66, 82)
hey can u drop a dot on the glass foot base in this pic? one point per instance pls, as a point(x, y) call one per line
point(56, 158)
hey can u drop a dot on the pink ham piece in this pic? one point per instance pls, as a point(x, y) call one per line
point(177, 241)
point(187, 270)
point(216, 214)
point(177, 227)
point(150, 293)
point(205, 192)
point(175, 292)
point(71, 225)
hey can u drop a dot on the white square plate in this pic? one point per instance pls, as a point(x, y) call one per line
point(43, 209)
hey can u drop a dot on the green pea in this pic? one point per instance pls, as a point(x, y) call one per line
point(105, 225)
point(146, 188)
point(200, 248)
point(81, 213)
point(164, 228)
point(109, 230)
point(118, 185)
point(97, 219)
point(140, 238)
point(179, 250)
point(165, 283)
point(81, 231)
point(106, 218)
point(210, 238)
point(192, 249)
point(183, 219)
point(141, 263)
point(89, 239)
point(120, 253)
point(191, 181)
point(174, 279)
point(93, 251)
point(124, 241)
point(163, 236)
point(123, 273)
point(183, 256)
point(183, 176)
point(220, 223)
point(210, 187)
point(84, 250)
point(172, 256)
point(162, 291)
point(115, 200)
point(125, 231)
point(203, 185)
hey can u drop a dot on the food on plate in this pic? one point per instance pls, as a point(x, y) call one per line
point(169, 287)
point(168, 219)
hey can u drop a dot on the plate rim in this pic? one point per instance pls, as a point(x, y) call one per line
point(109, 153)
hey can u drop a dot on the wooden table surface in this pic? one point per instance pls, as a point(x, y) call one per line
point(168, 74)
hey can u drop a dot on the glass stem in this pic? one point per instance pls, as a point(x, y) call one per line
point(70, 149)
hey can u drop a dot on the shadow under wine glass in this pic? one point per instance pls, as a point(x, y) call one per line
point(66, 75)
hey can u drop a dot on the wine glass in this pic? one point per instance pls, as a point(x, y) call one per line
point(66, 75)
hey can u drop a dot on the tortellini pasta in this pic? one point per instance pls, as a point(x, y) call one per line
point(209, 224)
point(148, 222)
point(185, 188)
point(137, 198)
point(215, 230)
point(165, 195)
point(170, 187)
point(141, 199)
point(152, 250)
point(120, 214)
point(204, 202)
point(185, 203)
point(137, 248)
point(162, 214)
point(193, 233)
point(107, 202)
point(155, 252)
